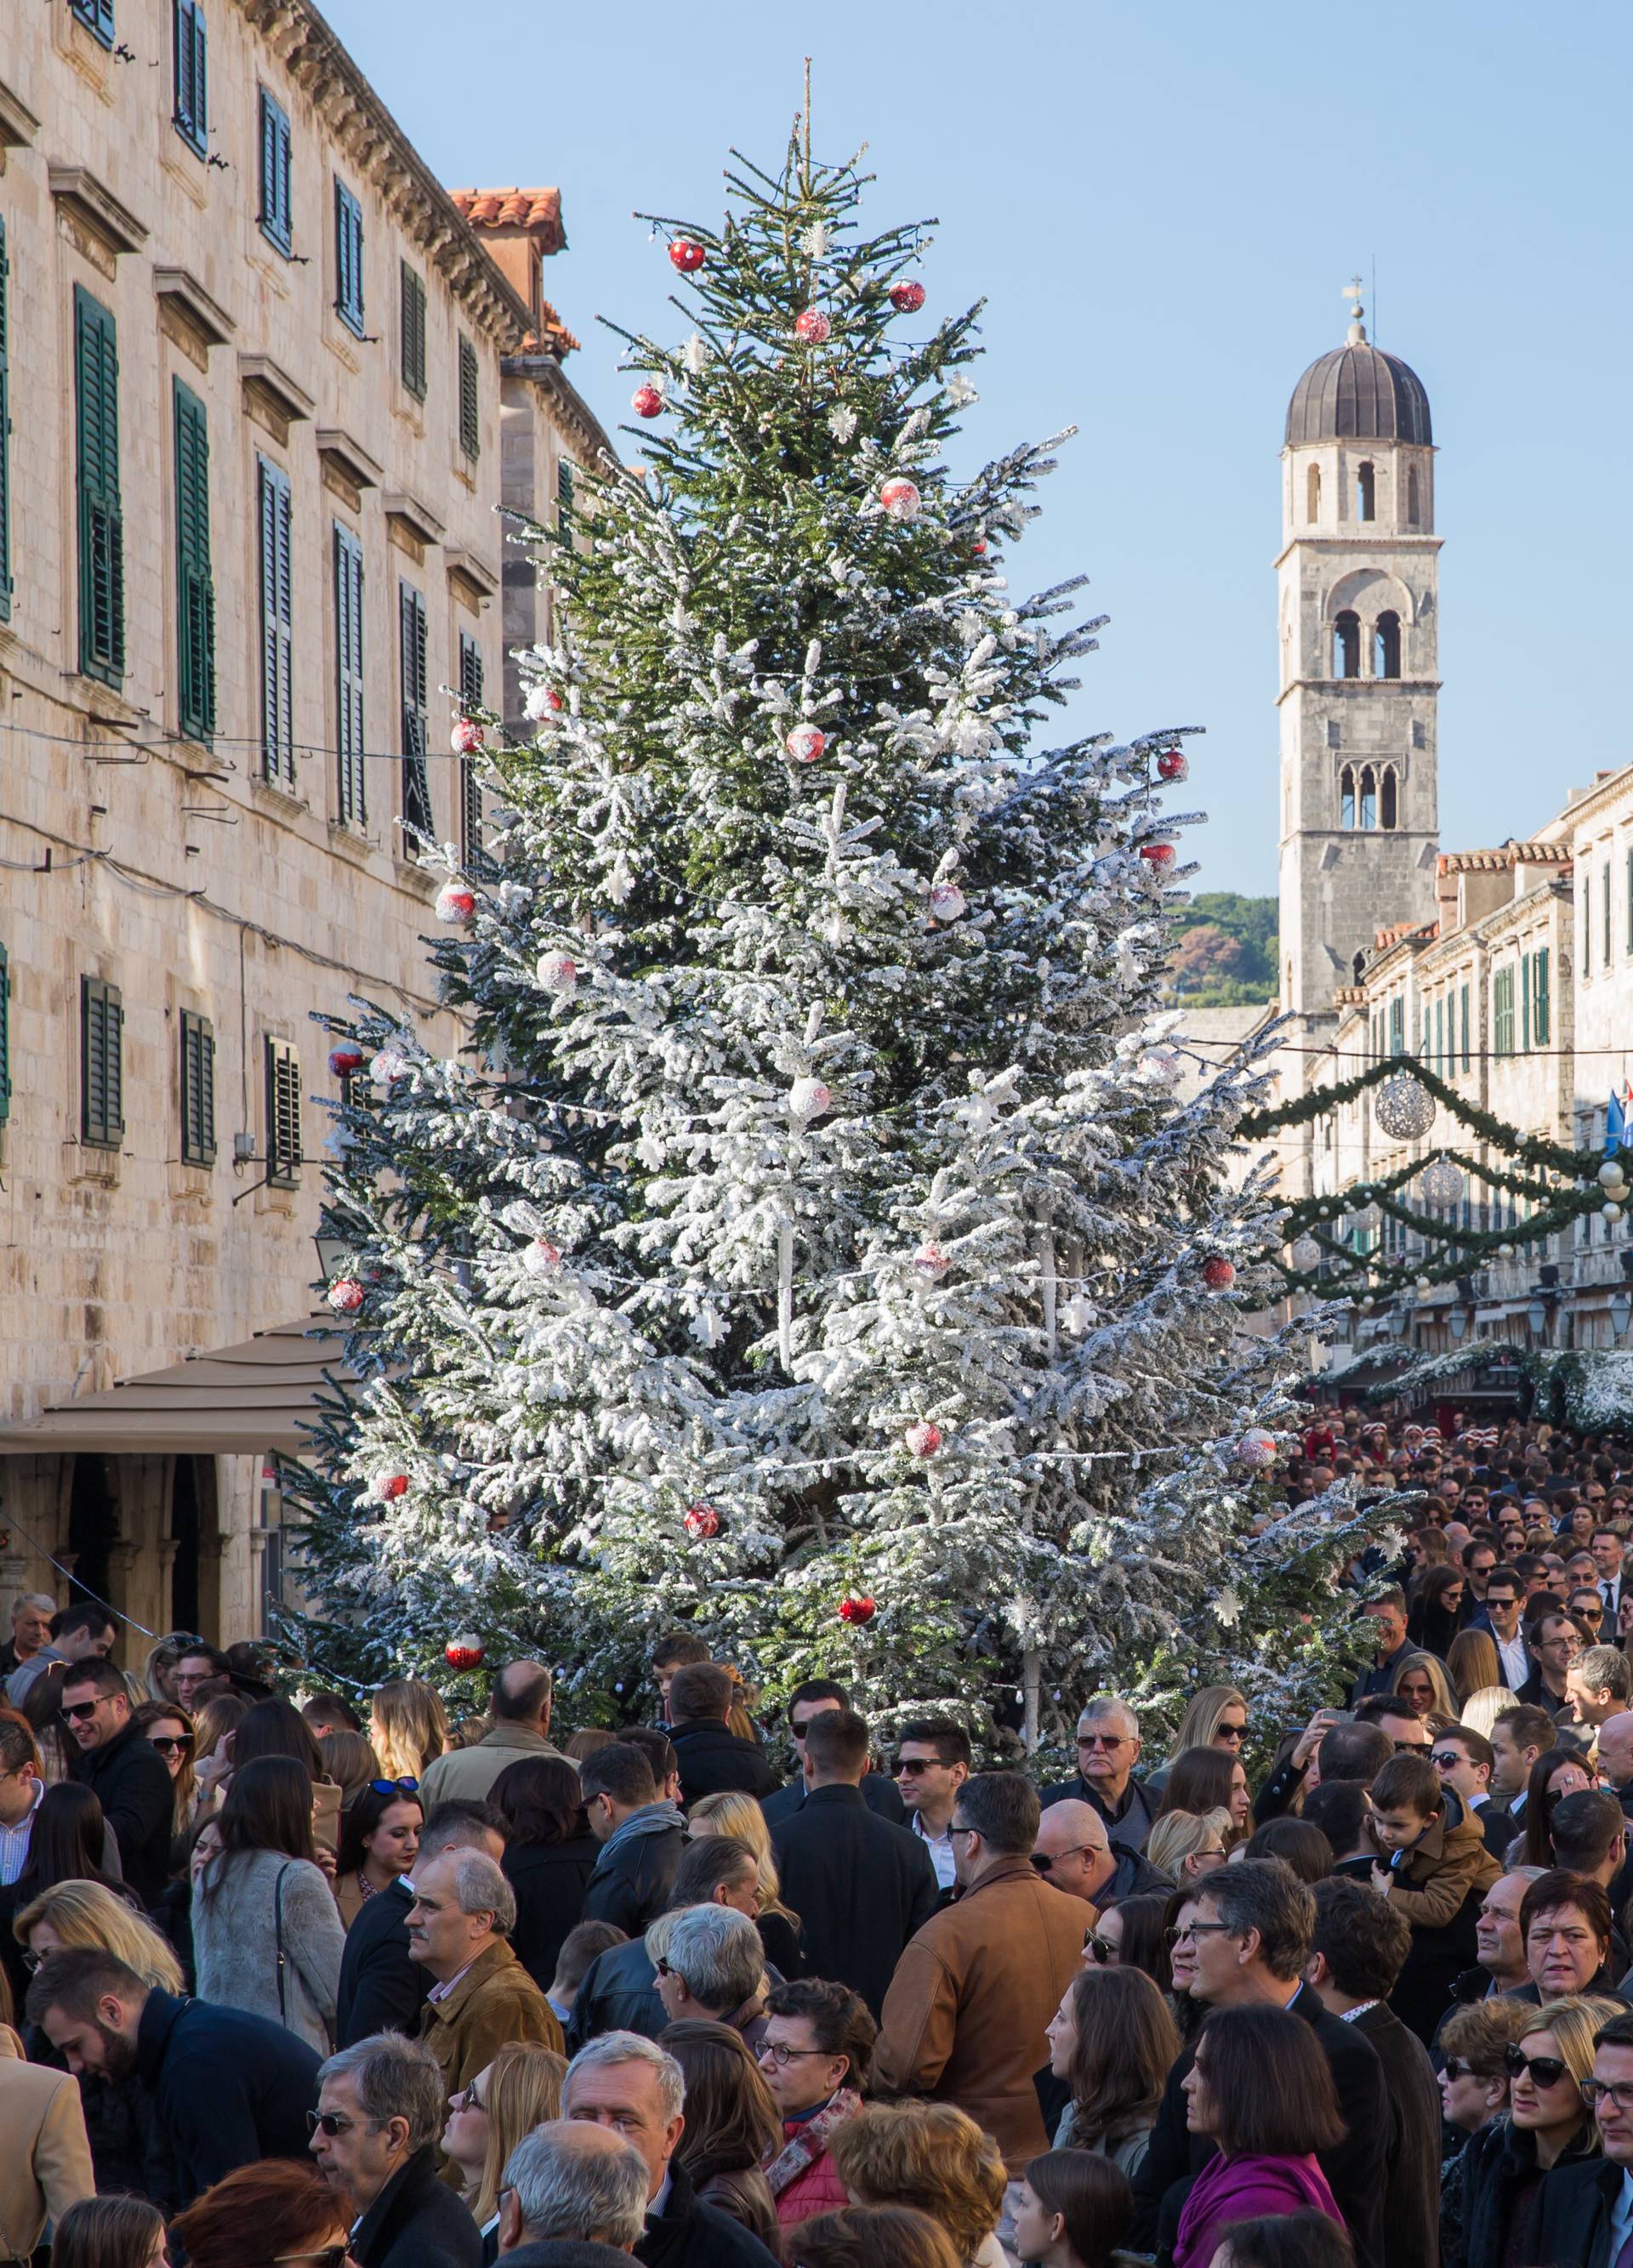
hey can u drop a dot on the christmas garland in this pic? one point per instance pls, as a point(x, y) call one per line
point(1496, 1132)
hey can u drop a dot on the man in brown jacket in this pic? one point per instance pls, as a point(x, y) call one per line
point(966, 2014)
point(463, 1911)
point(45, 2164)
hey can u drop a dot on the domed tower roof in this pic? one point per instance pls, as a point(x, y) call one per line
point(1359, 393)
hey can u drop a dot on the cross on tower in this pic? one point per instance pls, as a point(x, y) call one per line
point(1352, 293)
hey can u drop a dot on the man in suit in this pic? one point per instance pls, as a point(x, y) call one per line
point(45, 2166)
point(1609, 1552)
point(861, 1886)
point(383, 2105)
point(1358, 1950)
point(1464, 1759)
point(1252, 1930)
point(808, 1700)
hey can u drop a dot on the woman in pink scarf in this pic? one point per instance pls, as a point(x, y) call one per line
point(1260, 2087)
point(815, 2057)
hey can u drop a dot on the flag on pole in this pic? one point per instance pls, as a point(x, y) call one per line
point(1616, 1125)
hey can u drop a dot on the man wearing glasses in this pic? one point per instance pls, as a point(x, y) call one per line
point(383, 2105)
point(1464, 1760)
point(128, 1775)
point(932, 1763)
point(811, 1699)
point(1500, 1615)
point(1073, 1851)
point(1108, 1749)
point(1586, 2210)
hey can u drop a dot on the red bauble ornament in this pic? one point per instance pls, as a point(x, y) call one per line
point(854, 1610)
point(703, 1520)
point(900, 498)
point(464, 1652)
point(455, 903)
point(907, 297)
point(646, 401)
point(805, 743)
point(466, 737)
point(1257, 1448)
point(1159, 855)
point(387, 1487)
point(813, 327)
point(930, 1261)
point(979, 547)
point(541, 1257)
point(686, 255)
point(344, 1061)
point(924, 1439)
point(1172, 765)
point(345, 1295)
point(1218, 1273)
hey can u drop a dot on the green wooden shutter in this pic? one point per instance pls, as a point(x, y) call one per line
point(198, 1090)
point(416, 810)
point(195, 597)
point(274, 219)
point(1525, 1004)
point(348, 259)
point(5, 435)
point(469, 776)
point(100, 525)
point(469, 402)
point(97, 16)
point(413, 341)
point(101, 1056)
point(351, 791)
point(282, 1066)
point(564, 495)
point(1541, 1018)
point(1502, 1011)
point(274, 518)
point(190, 75)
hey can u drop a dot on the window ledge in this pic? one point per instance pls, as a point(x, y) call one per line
point(275, 796)
point(351, 842)
point(88, 1163)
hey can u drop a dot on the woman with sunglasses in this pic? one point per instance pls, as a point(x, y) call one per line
point(1422, 1683)
point(266, 1934)
point(1132, 1934)
point(1547, 2125)
point(169, 1729)
point(1435, 1607)
point(276, 2212)
point(378, 1843)
point(1556, 1773)
point(1215, 1717)
point(1111, 2042)
point(519, 2090)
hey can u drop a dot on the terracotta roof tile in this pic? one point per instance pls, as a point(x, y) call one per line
point(554, 338)
point(532, 208)
point(1512, 854)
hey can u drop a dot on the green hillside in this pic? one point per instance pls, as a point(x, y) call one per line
point(1224, 952)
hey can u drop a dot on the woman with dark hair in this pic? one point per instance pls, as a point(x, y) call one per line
point(378, 1843)
point(69, 1843)
point(1208, 1779)
point(1556, 1773)
point(169, 1729)
point(266, 1934)
point(277, 1729)
point(1075, 2211)
point(1286, 2240)
point(274, 2210)
point(731, 2124)
point(1301, 1846)
point(814, 2056)
point(1131, 1935)
point(548, 1859)
point(110, 2232)
point(1261, 2089)
point(1434, 1608)
point(1112, 2042)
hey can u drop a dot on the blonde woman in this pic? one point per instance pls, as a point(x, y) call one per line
point(1422, 1681)
point(1216, 1718)
point(932, 2157)
point(407, 1728)
point(731, 1812)
point(519, 2090)
point(73, 1914)
point(1473, 1661)
point(1547, 2124)
point(1184, 1845)
point(1484, 1707)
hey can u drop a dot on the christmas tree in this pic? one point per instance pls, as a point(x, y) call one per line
point(807, 1248)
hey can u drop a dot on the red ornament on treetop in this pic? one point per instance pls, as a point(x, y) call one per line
point(907, 297)
point(686, 254)
point(344, 1061)
point(812, 327)
point(854, 1610)
point(464, 1652)
point(703, 1520)
point(1218, 1273)
point(646, 401)
point(345, 1295)
point(1172, 765)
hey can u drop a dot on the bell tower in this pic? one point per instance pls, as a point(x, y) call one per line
point(1357, 627)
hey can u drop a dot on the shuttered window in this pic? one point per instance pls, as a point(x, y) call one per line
point(6, 1036)
point(1539, 1005)
point(198, 1090)
point(1502, 1011)
point(470, 779)
point(1525, 1004)
point(469, 402)
point(416, 777)
point(283, 1116)
point(1397, 1027)
point(351, 793)
point(101, 1064)
point(6, 436)
point(101, 528)
point(413, 333)
point(97, 16)
point(275, 222)
point(196, 596)
point(564, 495)
point(190, 75)
point(274, 514)
point(348, 259)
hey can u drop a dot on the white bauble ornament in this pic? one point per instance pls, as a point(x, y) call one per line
point(1610, 1213)
point(1505, 1252)
point(1441, 1182)
point(557, 972)
point(541, 703)
point(387, 1066)
point(1256, 1448)
point(1161, 1067)
point(1404, 1109)
point(808, 1099)
point(1612, 1174)
point(1305, 1253)
point(947, 902)
point(1423, 1285)
point(541, 1257)
point(930, 1261)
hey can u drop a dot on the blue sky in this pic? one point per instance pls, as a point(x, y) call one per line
point(1161, 206)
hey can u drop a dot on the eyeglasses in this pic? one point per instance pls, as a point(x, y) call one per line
point(407, 1786)
point(1097, 1948)
point(781, 2056)
point(82, 1711)
point(328, 2122)
point(1447, 1759)
point(962, 1831)
point(1231, 1733)
point(910, 1767)
point(167, 1744)
point(664, 1969)
point(1043, 1860)
point(1548, 2071)
point(1620, 2091)
point(468, 2101)
point(1458, 2067)
point(1179, 1933)
point(1101, 1739)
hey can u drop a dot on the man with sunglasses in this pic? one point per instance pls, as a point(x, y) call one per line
point(1464, 1760)
point(1108, 1751)
point(933, 1759)
point(383, 2105)
point(1074, 1853)
point(1585, 2210)
point(811, 1699)
point(128, 1775)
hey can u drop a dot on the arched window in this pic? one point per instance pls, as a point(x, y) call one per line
point(1412, 496)
point(1346, 644)
point(1366, 493)
point(1312, 493)
point(1386, 797)
point(1346, 798)
point(1386, 645)
point(1369, 799)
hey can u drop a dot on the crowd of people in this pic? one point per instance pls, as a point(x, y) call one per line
point(286, 1977)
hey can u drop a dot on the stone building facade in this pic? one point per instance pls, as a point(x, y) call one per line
point(261, 376)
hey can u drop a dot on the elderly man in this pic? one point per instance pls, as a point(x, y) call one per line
point(381, 2106)
point(518, 1726)
point(715, 1969)
point(1597, 1685)
point(1500, 1970)
point(463, 1911)
point(1074, 1853)
point(619, 1989)
point(636, 2087)
point(965, 2017)
point(1108, 1749)
point(572, 2182)
point(31, 1629)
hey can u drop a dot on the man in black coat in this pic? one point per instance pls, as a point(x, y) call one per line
point(1585, 2212)
point(860, 1887)
point(641, 1836)
point(619, 1992)
point(1358, 1950)
point(573, 2186)
point(1465, 1760)
point(712, 1756)
point(129, 1777)
point(635, 2086)
point(382, 2107)
point(1108, 1751)
point(815, 1697)
point(227, 2088)
point(1255, 1922)
point(382, 1989)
